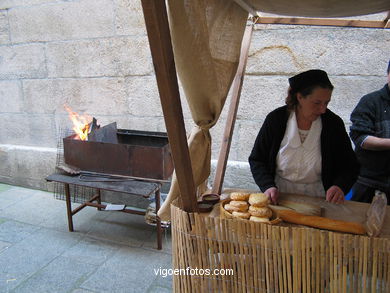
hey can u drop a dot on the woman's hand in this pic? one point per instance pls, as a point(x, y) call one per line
point(335, 195)
point(273, 194)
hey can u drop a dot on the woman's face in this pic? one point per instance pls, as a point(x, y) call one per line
point(310, 107)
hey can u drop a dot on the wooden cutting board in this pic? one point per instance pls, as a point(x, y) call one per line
point(300, 207)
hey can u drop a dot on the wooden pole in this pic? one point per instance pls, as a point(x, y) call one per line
point(387, 20)
point(231, 118)
point(157, 26)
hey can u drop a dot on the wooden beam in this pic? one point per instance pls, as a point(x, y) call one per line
point(387, 20)
point(246, 7)
point(157, 26)
point(231, 118)
point(322, 22)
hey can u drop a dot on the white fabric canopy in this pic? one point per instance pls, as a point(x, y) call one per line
point(319, 8)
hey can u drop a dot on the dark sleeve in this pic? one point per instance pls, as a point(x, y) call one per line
point(363, 121)
point(346, 167)
point(259, 160)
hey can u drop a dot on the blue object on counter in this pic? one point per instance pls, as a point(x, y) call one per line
point(349, 195)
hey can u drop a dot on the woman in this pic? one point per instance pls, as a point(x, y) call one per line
point(303, 147)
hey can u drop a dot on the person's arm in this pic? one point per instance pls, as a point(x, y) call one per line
point(345, 167)
point(374, 143)
point(363, 124)
point(259, 157)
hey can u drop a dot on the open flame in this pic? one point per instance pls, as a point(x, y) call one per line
point(81, 123)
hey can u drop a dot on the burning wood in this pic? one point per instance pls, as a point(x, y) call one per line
point(93, 126)
point(83, 125)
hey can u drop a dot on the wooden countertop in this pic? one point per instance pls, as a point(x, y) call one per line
point(350, 211)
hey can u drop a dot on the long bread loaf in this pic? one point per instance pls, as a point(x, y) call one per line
point(321, 222)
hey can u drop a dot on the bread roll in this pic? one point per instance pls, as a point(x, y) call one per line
point(242, 215)
point(321, 222)
point(239, 203)
point(258, 199)
point(259, 219)
point(263, 212)
point(231, 208)
point(239, 196)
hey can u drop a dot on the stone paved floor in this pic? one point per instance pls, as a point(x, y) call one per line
point(108, 252)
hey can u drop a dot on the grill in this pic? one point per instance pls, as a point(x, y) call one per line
point(133, 153)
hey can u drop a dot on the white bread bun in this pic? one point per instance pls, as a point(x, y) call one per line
point(258, 199)
point(263, 212)
point(259, 219)
point(239, 196)
point(239, 203)
point(230, 208)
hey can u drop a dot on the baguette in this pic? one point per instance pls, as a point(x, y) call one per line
point(321, 222)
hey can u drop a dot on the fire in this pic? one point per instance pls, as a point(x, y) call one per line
point(81, 123)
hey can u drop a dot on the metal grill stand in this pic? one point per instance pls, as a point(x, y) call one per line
point(128, 186)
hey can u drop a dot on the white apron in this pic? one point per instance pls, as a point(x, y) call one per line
point(298, 165)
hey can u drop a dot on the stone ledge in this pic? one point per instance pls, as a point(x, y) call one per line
point(26, 166)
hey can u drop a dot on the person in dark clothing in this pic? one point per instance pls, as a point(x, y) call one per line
point(370, 132)
point(303, 147)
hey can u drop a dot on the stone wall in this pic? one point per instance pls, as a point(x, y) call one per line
point(93, 55)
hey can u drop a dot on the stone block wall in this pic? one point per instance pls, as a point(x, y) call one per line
point(93, 55)
point(355, 59)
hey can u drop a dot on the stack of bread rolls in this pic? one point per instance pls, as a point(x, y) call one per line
point(252, 206)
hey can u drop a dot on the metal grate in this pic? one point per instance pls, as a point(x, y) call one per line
point(79, 194)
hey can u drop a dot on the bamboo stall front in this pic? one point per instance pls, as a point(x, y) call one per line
point(243, 256)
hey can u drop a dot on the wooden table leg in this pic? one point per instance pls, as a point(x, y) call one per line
point(68, 207)
point(159, 229)
point(99, 199)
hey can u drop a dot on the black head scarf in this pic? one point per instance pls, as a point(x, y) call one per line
point(304, 80)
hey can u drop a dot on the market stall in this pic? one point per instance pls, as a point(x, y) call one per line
point(206, 37)
point(257, 257)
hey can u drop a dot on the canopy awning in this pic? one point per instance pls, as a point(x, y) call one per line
point(317, 8)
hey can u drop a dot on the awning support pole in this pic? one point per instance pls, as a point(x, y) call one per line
point(231, 118)
point(157, 26)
